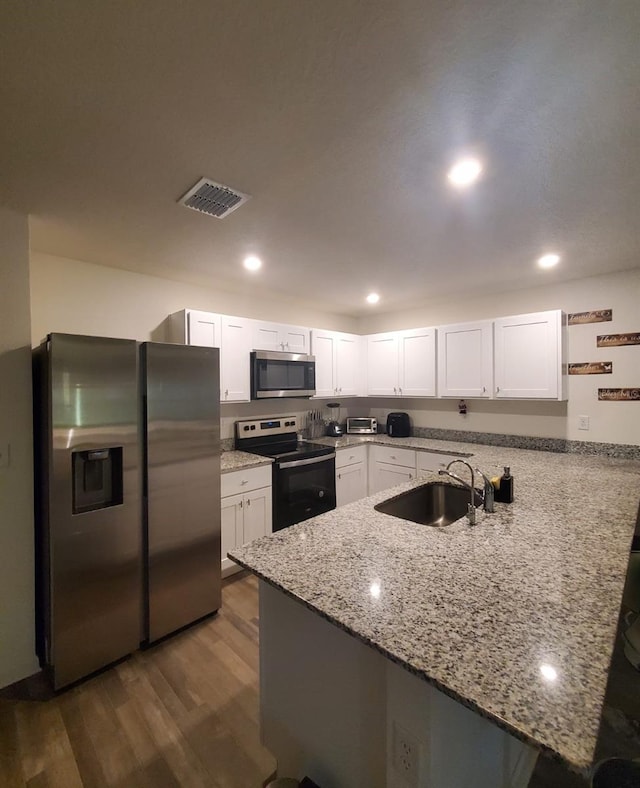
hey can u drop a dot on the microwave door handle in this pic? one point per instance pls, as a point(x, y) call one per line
point(310, 461)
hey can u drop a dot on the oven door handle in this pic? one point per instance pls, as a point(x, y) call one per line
point(310, 461)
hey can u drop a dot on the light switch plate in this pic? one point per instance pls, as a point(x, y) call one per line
point(583, 422)
point(5, 455)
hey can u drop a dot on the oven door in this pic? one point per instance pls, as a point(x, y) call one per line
point(302, 489)
point(282, 375)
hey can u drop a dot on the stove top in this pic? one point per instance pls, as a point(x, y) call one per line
point(290, 450)
point(277, 438)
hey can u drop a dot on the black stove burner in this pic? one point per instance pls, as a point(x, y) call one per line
point(290, 450)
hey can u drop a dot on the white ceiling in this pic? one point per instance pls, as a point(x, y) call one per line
point(341, 118)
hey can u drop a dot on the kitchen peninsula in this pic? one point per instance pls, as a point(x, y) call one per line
point(513, 619)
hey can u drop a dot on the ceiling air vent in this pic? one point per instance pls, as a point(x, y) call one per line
point(213, 198)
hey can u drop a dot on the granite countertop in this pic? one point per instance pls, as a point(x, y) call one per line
point(423, 444)
point(239, 460)
point(484, 613)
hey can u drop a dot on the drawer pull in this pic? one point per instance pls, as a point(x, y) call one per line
point(244, 481)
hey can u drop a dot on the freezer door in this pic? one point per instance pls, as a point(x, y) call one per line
point(92, 532)
point(181, 404)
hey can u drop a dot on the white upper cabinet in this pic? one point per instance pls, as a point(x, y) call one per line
point(465, 360)
point(417, 363)
point(194, 327)
point(382, 365)
point(338, 363)
point(323, 348)
point(528, 356)
point(284, 338)
point(402, 363)
point(234, 359)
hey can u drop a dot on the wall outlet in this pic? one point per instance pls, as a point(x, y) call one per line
point(406, 755)
point(583, 422)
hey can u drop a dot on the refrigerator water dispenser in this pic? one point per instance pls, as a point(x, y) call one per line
point(97, 479)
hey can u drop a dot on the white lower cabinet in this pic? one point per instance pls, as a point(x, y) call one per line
point(246, 510)
point(389, 466)
point(351, 475)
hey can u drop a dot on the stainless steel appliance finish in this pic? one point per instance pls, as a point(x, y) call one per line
point(303, 472)
point(181, 387)
point(89, 540)
point(362, 425)
point(275, 374)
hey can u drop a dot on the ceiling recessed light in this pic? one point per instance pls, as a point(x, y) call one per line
point(252, 263)
point(373, 298)
point(548, 260)
point(464, 172)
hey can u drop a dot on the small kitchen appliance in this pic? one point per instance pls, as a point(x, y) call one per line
point(334, 430)
point(361, 425)
point(398, 425)
point(303, 472)
point(276, 374)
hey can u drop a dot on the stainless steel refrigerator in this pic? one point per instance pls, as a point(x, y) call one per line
point(181, 430)
point(127, 531)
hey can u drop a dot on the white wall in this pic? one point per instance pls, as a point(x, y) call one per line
point(17, 637)
point(76, 297)
point(610, 422)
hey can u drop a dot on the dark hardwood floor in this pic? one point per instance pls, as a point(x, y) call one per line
point(183, 713)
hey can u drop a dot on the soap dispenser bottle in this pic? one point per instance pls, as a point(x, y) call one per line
point(504, 492)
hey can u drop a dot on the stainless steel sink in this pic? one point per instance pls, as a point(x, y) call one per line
point(435, 504)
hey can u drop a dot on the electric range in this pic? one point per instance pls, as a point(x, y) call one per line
point(303, 472)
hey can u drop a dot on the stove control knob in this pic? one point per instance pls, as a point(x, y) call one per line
point(246, 429)
point(253, 426)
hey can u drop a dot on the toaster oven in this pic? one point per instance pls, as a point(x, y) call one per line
point(362, 425)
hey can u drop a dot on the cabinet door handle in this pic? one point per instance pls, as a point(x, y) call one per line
point(226, 392)
point(393, 456)
point(497, 389)
point(248, 501)
point(339, 476)
point(394, 390)
point(241, 504)
point(484, 389)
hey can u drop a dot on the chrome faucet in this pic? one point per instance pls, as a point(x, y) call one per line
point(488, 496)
point(471, 508)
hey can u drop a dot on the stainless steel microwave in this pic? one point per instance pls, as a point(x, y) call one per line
point(275, 374)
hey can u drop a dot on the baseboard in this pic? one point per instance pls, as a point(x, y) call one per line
point(34, 687)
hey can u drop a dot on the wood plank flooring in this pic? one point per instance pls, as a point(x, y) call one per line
point(183, 713)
